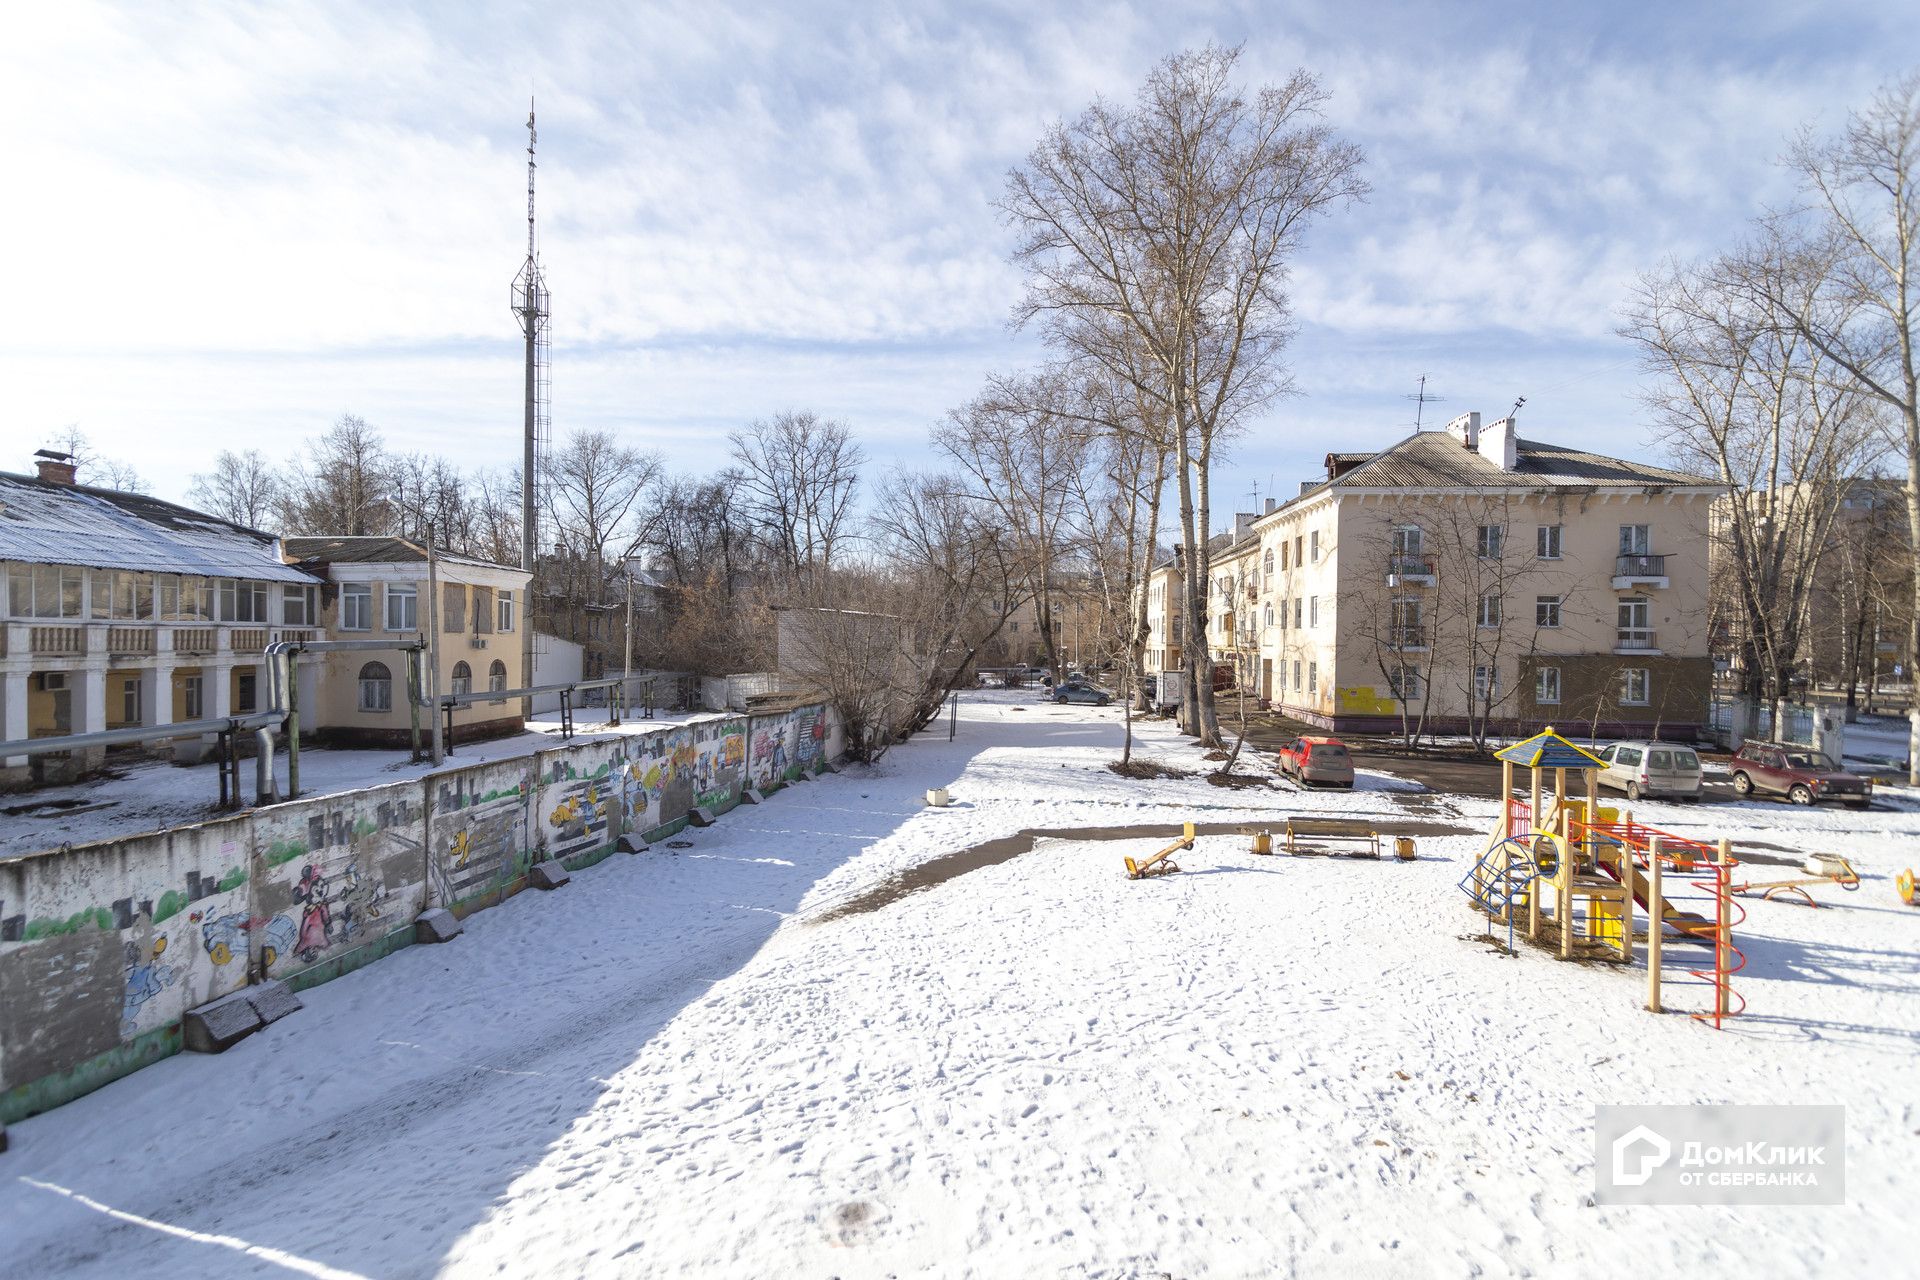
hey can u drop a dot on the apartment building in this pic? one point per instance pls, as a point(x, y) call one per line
point(126, 611)
point(1469, 577)
point(378, 588)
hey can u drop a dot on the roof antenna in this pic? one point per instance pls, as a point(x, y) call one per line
point(1515, 411)
point(1421, 400)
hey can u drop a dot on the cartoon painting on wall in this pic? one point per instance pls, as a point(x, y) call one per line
point(479, 834)
point(581, 807)
point(336, 873)
point(719, 756)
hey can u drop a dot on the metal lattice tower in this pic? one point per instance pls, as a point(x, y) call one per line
point(530, 305)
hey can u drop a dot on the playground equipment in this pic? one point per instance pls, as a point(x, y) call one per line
point(1160, 864)
point(1577, 871)
point(1903, 885)
point(1349, 829)
point(1825, 868)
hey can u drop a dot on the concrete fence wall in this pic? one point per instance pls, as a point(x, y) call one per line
point(104, 946)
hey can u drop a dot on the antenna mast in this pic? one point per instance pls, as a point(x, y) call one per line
point(1421, 400)
point(529, 305)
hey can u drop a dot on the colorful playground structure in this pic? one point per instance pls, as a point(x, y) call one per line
point(1571, 874)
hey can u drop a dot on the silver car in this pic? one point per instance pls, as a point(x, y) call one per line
point(1651, 769)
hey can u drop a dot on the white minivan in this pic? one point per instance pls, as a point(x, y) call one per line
point(1651, 769)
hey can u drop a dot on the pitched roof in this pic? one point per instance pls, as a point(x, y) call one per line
point(1548, 750)
point(1437, 460)
point(44, 522)
point(375, 550)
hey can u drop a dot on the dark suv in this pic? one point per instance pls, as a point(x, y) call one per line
point(1800, 775)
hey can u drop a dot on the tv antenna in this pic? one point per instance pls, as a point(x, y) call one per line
point(1515, 411)
point(1421, 400)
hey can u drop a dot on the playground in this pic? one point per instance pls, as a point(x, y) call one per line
point(849, 1033)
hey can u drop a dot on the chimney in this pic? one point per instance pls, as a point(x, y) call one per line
point(1466, 429)
point(1242, 522)
point(1272, 503)
point(1500, 444)
point(55, 468)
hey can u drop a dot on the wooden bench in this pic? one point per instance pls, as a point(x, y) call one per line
point(1335, 829)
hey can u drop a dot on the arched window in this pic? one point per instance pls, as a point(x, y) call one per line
point(376, 687)
point(462, 678)
point(497, 676)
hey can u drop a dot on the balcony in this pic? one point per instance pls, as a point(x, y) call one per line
point(1639, 571)
point(58, 642)
point(129, 641)
point(1409, 571)
point(1635, 640)
point(1409, 637)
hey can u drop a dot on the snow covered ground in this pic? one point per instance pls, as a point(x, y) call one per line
point(151, 794)
point(700, 1062)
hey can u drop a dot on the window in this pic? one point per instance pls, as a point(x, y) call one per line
point(296, 606)
point(1299, 551)
point(1406, 541)
point(1269, 613)
point(1633, 540)
point(1283, 557)
point(1313, 677)
point(497, 676)
point(356, 607)
point(190, 699)
point(239, 601)
point(506, 610)
point(1546, 686)
point(1313, 611)
point(403, 606)
point(130, 701)
point(1316, 546)
point(1633, 687)
point(1266, 564)
point(1406, 620)
point(1299, 606)
point(1486, 684)
point(1405, 683)
point(45, 591)
point(1628, 756)
point(376, 687)
point(483, 611)
point(167, 587)
point(1547, 542)
point(1490, 609)
point(1296, 675)
point(1546, 611)
point(1635, 616)
point(102, 592)
point(246, 689)
point(1491, 541)
point(462, 678)
point(453, 608)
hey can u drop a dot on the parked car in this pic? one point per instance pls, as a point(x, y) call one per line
point(1322, 761)
point(1800, 775)
point(1651, 769)
point(1082, 693)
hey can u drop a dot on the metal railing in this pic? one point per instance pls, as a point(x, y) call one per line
point(1635, 638)
point(1410, 566)
point(1640, 567)
point(1411, 636)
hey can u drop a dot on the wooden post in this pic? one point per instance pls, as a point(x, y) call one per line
point(1656, 916)
point(1593, 809)
point(1560, 800)
point(1506, 799)
point(1534, 820)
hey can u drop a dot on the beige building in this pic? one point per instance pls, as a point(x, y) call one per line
point(376, 588)
point(1472, 578)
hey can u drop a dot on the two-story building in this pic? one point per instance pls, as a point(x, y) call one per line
point(126, 611)
point(377, 588)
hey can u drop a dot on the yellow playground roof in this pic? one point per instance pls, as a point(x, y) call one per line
point(1548, 750)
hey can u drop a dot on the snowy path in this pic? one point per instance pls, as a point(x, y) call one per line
point(677, 1067)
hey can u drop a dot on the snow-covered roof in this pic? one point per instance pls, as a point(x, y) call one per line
point(43, 522)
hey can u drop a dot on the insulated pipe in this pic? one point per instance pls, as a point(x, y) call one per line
point(263, 787)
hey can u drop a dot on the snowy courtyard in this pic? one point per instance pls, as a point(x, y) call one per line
point(780, 1049)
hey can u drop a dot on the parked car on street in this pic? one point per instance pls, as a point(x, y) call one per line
point(1085, 693)
point(1321, 761)
point(1802, 776)
point(1651, 769)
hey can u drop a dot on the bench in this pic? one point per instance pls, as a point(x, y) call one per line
point(1334, 829)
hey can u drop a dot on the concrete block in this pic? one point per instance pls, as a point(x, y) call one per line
point(631, 844)
point(220, 1024)
point(436, 925)
point(701, 816)
point(273, 1001)
point(550, 874)
point(826, 766)
point(753, 795)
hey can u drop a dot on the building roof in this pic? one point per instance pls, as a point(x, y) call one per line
point(1437, 460)
point(45, 522)
point(1548, 750)
point(376, 550)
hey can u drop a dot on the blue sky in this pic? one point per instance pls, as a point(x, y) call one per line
point(230, 224)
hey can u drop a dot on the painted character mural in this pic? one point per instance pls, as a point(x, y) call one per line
point(316, 916)
point(147, 977)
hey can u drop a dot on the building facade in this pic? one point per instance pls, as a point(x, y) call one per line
point(124, 611)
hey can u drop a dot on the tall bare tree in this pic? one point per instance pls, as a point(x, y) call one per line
point(798, 474)
point(341, 486)
point(1174, 221)
point(242, 487)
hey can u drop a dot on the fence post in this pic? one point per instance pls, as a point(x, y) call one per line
point(1723, 909)
point(1656, 915)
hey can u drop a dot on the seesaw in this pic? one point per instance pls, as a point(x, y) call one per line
point(1159, 864)
point(1834, 870)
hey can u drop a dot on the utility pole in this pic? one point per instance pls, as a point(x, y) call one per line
point(433, 649)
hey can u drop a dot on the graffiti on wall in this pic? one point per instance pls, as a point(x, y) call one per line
point(478, 832)
point(335, 873)
point(580, 803)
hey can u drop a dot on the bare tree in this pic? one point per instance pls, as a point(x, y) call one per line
point(91, 467)
point(342, 486)
point(798, 474)
point(1172, 223)
point(595, 495)
point(242, 487)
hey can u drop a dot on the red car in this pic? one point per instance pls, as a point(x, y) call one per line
point(1798, 774)
point(1317, 760)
